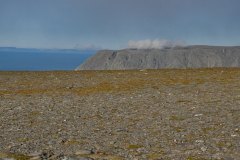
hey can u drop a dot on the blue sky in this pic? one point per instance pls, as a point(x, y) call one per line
point(113, 23)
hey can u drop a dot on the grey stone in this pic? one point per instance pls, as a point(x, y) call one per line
point(83, 152)
point(76, 158)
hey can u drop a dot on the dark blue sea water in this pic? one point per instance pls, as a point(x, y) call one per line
point(12, 59)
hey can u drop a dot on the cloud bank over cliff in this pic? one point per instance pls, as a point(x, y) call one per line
point(154, 44)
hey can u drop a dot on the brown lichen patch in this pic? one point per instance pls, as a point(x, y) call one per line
point(176, 118)
point(94, 81)
point(183, 101)
point(154, 156)
point(105, 156)
point(196, 158)
point(104, 87)
point(206, 130)
point(134, 146)
point(23, 140)
point(179, 129)
point(14, 156)
point(72, 142)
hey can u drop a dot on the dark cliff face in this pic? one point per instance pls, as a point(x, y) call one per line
point(180, 57)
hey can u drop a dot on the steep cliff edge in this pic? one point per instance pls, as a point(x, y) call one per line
point(178, 57)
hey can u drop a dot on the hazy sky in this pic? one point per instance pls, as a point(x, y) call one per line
point(113, 23)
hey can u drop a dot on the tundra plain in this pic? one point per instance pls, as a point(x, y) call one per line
point(191, 114)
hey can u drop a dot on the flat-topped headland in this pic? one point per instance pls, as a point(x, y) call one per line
point(177, 57)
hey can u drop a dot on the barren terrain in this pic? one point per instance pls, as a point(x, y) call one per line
point(189, 114)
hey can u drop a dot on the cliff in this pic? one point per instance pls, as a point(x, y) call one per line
point(178, 57)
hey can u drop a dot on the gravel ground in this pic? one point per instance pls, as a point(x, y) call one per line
point(114, 115)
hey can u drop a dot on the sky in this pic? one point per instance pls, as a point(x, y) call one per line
point(112, 24)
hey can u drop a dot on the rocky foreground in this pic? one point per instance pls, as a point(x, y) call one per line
point(114, 115)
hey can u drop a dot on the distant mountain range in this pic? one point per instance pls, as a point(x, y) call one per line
point(177, 57)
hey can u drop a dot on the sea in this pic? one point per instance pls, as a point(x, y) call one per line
point(22, 59)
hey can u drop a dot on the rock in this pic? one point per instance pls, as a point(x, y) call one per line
point(198, 115)
point(46, 155)
point(217, 156)
point(35, 158)
point(76, 158)
point(34, 154)
point(228, 158)
point(199, 141)
point(204, 149)
point(84, 152)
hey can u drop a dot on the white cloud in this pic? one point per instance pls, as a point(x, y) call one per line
point(154, 44)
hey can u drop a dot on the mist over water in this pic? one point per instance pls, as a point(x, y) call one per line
point(42, 60)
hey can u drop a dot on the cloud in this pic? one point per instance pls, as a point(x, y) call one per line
point(154, 44)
